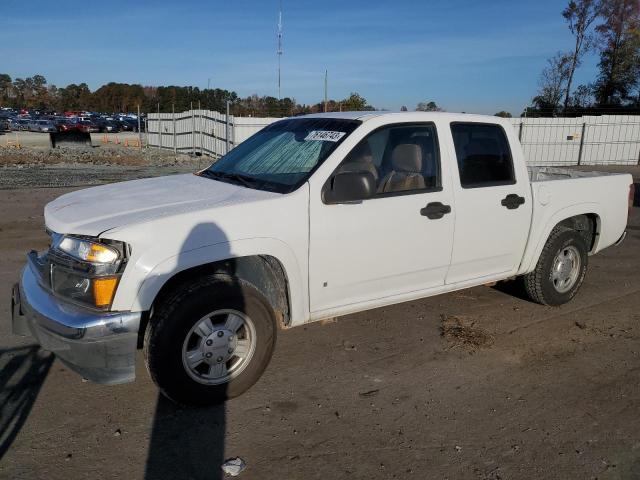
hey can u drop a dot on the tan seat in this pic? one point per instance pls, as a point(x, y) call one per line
point(406, 173)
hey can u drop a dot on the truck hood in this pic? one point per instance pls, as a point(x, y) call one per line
point(95, 210)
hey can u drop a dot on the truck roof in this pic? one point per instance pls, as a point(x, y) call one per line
point(410, 116)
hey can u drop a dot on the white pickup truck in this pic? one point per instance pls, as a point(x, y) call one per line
point(311, 218)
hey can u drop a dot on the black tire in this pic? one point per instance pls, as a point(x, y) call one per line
point(172, 321)
point(539, 284)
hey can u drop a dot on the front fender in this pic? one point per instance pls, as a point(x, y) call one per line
point(145, 283)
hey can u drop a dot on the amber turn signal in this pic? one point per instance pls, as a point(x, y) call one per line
point(103, 290)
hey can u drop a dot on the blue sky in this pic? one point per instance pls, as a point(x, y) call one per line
point(475, 56)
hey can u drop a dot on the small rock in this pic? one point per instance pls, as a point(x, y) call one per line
point(458, 448)
point(581, 325)
point(117, 433)
point(68, 457)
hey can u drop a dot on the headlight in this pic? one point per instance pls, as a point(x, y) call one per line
point(86, 270)
point(87, 251)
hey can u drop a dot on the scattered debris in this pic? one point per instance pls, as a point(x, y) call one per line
point(349, 345)
point(234, 466)
point(370, 393)
point(462, 332)
point(328, 321)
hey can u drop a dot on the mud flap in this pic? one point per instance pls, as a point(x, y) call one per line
point(63, 139)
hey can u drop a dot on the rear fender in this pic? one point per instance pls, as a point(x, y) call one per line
point(538, 238)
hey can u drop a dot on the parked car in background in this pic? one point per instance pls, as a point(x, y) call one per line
point(125, 126)
point(110, 126)
point(129, 124)
point(21, 124)
point(67, 125)
point(43, 126)
point(87, 126)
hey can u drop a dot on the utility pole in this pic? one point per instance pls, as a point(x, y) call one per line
point(139, 128)
point(326, 73)
point(279, 52)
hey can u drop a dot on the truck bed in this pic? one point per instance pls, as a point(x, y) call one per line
point(544, 174)
point(561, 193)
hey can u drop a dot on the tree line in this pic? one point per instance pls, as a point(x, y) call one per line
point(35, 93)
point(611, 29)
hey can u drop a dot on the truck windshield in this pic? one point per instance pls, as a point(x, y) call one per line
point(283, 155)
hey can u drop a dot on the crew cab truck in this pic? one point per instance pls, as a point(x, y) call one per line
point(311, 218)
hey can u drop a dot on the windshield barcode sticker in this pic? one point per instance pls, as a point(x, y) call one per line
point(325, 135)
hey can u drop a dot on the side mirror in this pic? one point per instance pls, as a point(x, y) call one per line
point(350, 187)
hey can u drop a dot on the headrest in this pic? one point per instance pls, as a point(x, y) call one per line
point(407, 157)
point(361, 153)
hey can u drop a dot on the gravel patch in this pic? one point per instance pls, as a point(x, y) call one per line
point(85, 166)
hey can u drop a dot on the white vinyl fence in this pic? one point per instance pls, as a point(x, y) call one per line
point(202, 132)
point(592, 140)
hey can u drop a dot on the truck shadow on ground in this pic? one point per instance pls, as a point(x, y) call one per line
point(23, 372)
point(513, 288)
point(188, 442)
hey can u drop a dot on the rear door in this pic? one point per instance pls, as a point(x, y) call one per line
point(493, 203)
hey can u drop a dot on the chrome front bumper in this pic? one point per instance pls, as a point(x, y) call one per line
point(99, 346)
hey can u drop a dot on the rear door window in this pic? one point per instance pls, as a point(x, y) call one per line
point(483, 155)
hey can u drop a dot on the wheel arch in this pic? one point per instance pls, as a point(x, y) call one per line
point(264, 272)
point(587, 221)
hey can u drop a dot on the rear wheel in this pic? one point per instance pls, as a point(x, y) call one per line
point(209, 340)
point(560, 270)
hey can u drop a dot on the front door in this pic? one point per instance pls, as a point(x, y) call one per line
point(393, 244)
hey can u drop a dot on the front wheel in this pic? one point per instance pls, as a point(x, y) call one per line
point(209, 340)
point(560, 270)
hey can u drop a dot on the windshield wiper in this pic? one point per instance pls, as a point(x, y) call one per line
point(234, 177)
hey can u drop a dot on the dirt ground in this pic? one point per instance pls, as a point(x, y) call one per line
point(479, 384)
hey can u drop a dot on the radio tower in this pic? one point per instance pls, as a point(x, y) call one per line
point(279, 52)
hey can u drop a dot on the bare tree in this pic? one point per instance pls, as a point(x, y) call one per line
point(579, 14)
point(553, 82)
